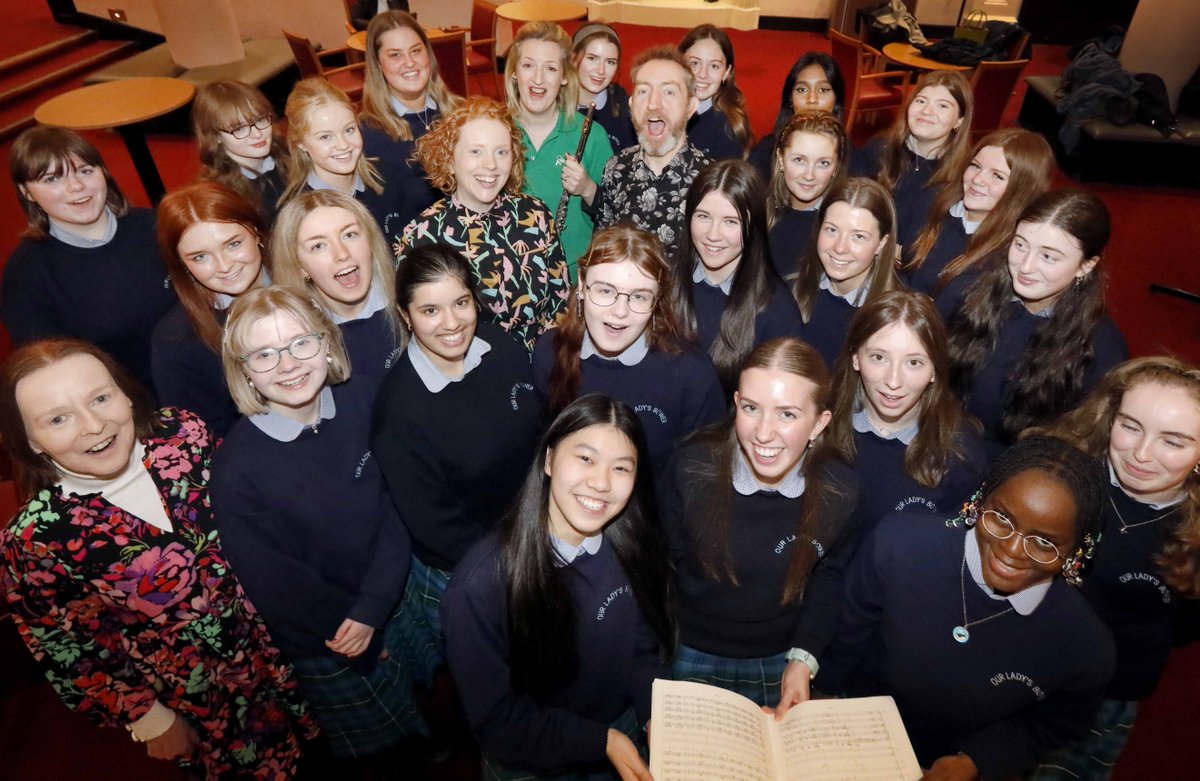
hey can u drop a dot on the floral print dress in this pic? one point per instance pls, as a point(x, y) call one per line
point(121, 613)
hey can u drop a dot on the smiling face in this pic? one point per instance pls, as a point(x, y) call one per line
point(597, 65)
point(932, 116)
point(224, 257)
point(335, 253)
point(812, 91)
point(847, 244)
point(984, 182)
point(442, 317)
point(1154, 443)
point(808, 164)
point(614, 328)
point(775, 420)
point(1043, 261)
point(482, 163)
point(75, 413)
point(592, 474)
point(717, 236)
point(292, 388)
point(1036, 505)
point(895, 369)
point(539, 76)
point(250, 150)
point(333, 141)
point(708, 65)
point(75, 197)
point(404, 62)
point(660, 106)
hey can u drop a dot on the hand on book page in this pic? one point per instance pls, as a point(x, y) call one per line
point(625, 758)
point(959, 767)
point(796, 679)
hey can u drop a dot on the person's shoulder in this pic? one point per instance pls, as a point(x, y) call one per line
point(502, 344)
point(174, 326)
point(138, 218)
point(526, 202)
point(34, 520)
point(1108, 339)
point(912, 529)
point(840, 475)
point(478, 571)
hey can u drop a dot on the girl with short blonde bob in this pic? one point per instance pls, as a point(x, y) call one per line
point(308, 522)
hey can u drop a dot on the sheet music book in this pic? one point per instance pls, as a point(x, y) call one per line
point(705, 733)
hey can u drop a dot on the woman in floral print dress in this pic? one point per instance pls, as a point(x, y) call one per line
point(116, 579)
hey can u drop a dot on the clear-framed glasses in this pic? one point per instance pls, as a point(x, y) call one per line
point(242, 131)
point(640, 301)
point(1037, 548)
point(301, 348)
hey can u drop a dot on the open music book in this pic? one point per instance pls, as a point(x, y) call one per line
point(704, 733)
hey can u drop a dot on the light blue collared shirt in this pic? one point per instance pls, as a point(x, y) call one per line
point(281, 428)
point(854, 298)
point(567, 553)
point(698, 275)
point(703, 106)
point(630, 356)
point(376, 301)
point(1024, 601)
point(315, 182)
point(959, 210)
point(223, 301)
point(432, 376)
point(862, 424)
point(746, 484)
point(402, 110)
point(63, 233)
point(600, 100)
point(268, 165)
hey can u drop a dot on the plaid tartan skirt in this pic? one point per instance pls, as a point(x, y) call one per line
point(755, 679)
point(422, 618)
point(626, 722)
point(362, 715)
point(1093, 756)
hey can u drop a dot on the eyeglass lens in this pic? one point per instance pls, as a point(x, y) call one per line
point(301, 348)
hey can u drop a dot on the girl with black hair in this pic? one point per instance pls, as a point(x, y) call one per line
point(814, 84)
point(849, 262)
point(455, 423)
point(597, 53)
point(1030, 338)
point(720, 127)
point(991, 657)
point(557, 625)
point(621, 338)
point(729, 298)
point(757, 515)
point(895, 415)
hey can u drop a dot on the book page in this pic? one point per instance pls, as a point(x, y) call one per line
point(858, 739)
point(703, 732)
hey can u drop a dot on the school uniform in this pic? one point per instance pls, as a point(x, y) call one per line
point(392, 209)
point(912, 194)
point(762, 156)
point(396, 159)
point(370, 339)
point(1030, 675)
point(709, 131)
point(673, 394)
point(188, 374)
point(829, 322)
point(617, 651)
point(737, 635)
point(956, 232)
point(789, 238)
point(268, 184)
point(780, 317)
point(612, 114)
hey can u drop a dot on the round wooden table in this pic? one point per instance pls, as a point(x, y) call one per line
point(907, 55)
point(121, 104)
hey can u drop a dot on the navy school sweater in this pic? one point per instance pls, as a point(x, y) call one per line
point(712, 134)
point(454, 460)
point(614, 118)
point(618, 656)
point(673, 394)
point(1021, 686)
point(111, 296)
point(912, 195)
point(781, 316)
point(396, 163)
point(749, 620)
point(310, 529)
point(1128, 592)
point(827, 326)
point(762, 156)
point(188, 374)
point(371, 346)
point(789, 238)
point(951, 242)
point(270, 187)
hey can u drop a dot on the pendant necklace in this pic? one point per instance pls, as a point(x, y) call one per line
point(1125, 527)
point(960, 633)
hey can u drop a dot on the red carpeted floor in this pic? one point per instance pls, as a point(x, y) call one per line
point(1156, 239)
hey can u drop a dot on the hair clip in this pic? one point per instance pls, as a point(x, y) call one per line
point(969, 512)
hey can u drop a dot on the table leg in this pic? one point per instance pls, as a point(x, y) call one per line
point(143, 162)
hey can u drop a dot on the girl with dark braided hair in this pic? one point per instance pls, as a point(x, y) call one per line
point(992, 658)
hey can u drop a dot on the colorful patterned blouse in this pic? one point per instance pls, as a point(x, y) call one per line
point(121, 613)
point(520, 272)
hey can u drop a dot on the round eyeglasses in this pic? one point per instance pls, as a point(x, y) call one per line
point(301, 348)
point(1037, 548)
point(242, 131)
point(640, 301)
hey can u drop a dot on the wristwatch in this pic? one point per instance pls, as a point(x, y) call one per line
point(800, 655)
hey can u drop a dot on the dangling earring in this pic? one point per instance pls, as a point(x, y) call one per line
point(1196, 469)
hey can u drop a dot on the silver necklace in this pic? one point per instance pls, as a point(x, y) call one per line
point(960, 633)
point(1125, 527)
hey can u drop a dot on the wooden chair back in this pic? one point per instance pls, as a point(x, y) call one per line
point(992, 84)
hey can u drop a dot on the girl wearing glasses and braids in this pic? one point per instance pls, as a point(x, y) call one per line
point(621, 337)
point(240, 145)
point(1144, 421)
point(307, 521)
point(992, 657)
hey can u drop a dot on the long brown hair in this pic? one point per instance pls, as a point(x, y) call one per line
point(728, 99)
point(615, 244)
point(939, 416)
point(180, 210)
point(893, 160)
point(34, 472)
point(1089, 426)
point(220, 106)
point(1030, 163)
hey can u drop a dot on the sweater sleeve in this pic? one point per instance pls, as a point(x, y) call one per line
point(383, 582)
point(27, 304)
point(509, 725)
point(704, 401)
point(185, 378)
